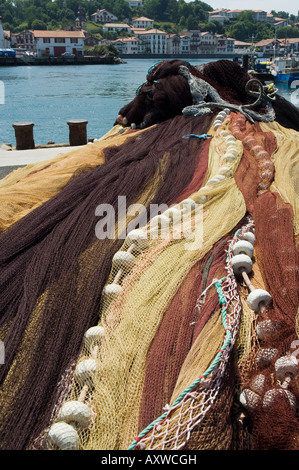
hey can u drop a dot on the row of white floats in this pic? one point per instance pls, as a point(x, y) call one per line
point(229, 157)
point(285, 366)
point(75, 416)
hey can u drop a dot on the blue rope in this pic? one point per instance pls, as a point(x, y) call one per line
point(153, 66)
point(202, 136)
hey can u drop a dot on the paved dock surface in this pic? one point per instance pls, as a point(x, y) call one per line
point(12, 159)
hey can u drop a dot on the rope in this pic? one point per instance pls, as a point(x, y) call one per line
point(226, 290)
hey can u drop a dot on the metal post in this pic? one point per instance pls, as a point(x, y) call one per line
point(24, 135)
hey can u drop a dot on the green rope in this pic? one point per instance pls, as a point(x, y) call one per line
point(213, 365)
point(215, 362)
point(153, 66)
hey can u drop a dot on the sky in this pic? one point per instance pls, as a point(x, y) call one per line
point(290, 6)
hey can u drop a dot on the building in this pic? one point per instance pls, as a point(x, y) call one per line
point(173, 44)
point(55, 43)
point(259, 15)
point(242, 47)
point(195, 38)
point(269, 46)
point(80, 20)
point(269, 18)
point(135, 3)
point(280, 22)
point(24, 40)
point(103, 16)
point(136, 31)
point(220, 18)
point(185, 44)
point(2, 40)
point(143, 22)
point(7, 38)
point(233, 13)
point(153, 41)
point(127, 45)
point(230, 45)
point(118, 27)
point(225, 45)
point(222, 12)
point(90, 40)
point(208, 43)
point(292, 45)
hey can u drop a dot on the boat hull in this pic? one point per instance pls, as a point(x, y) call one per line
point(286, 78)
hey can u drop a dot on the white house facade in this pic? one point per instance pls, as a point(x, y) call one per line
point(135, 3)
point(259, 15)
point(153, 41)
point(143, 22)
point(220, 18)
point(269, 46)
point(2, 39)
point(55, 43)
point(25, 40)
point(208, 43)
point(173, 44)
point(103, 16)
point(185, 44)
point(195, 39)
point(127, 45)
point(116, 27)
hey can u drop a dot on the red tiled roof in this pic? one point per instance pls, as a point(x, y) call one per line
point(58, 34)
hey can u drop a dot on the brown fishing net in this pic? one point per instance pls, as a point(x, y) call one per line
point(146, 340)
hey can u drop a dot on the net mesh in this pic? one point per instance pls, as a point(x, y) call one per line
point(24, 189)
point(175, 341)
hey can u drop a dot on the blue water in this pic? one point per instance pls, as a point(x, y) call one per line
point(49, 96)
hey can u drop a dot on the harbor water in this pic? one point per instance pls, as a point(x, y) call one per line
point(49, 96)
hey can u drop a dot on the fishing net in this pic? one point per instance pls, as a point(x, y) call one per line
point(26, 188)
point(135, 321)
point(37, 296)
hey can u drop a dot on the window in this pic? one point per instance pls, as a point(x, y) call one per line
point(46, 40)
point(59, 40)
point(74, 40)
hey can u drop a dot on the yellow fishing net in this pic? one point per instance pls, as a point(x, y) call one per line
point(131, 321)
point(24, 189)
point(286, 161)
point(144, 288)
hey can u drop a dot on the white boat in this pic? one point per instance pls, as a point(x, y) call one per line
point(285, 69)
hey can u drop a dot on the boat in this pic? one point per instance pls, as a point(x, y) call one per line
point(7, 53)
point(285, 69)
point(261, 69)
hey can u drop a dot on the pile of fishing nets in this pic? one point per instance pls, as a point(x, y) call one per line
point(149, 281)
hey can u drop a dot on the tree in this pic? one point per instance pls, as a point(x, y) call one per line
point(191, 22)
point(287, 32)
point(215, 27)
point(39, 25)
point(171, 12)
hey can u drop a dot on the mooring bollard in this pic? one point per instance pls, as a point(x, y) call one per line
point(24, 135)
point(77, 131)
